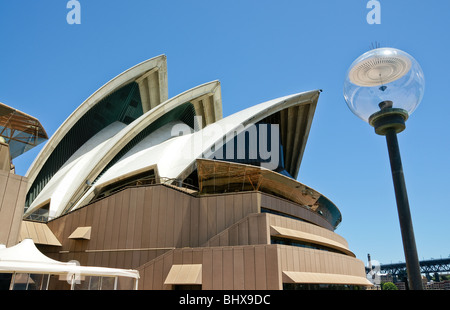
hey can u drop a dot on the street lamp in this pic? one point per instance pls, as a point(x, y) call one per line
point(383, 87)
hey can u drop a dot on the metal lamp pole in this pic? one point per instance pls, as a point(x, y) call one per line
point(388, 122)
point(372, 81)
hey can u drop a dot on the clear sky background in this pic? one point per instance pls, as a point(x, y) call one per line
point(259, 50)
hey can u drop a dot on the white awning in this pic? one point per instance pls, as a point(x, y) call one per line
point(81, 233)
point(26, 258)
point(24, 253)
point(303, 236)
point(185, 274)
point(323, 278)
point(39, 232)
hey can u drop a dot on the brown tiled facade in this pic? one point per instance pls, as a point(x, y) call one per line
point(12, 198)
point(156, 227)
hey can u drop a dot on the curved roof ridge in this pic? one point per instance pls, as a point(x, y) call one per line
point(121, 79)
point(260, 111)
point(112, 147)
point(172, 163)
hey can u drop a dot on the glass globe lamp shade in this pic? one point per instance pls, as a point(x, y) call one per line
point(383, 78)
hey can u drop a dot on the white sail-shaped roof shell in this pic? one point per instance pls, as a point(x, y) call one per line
point(66, 186)
point(174, 156)
point(96, 164)
point(122, 79)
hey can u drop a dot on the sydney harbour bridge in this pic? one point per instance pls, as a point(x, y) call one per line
point(398, 270)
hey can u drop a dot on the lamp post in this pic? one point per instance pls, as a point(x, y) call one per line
point(383, 87)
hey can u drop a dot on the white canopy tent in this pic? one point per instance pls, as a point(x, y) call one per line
point(25, 258)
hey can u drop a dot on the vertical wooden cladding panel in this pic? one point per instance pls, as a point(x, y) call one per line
point(18, 211)
point(167, 262)
point(310, 260)
point(291, 208)
point(260, 268)
point(233, 234)
point(243, 232)
point(238, 269)
point(12, 200)
point(103, 228)
point(114, 203)
point(162, 215)
point(170, 220)
point(226, 210)
point(229, 210)
point(131, 202)
point(93, 216)
point(249, 268)
point(237, 207)
point(158, 276)
point(221, 219)
point(277, 220)
point(68, 229)
point(146, 218)
point(122, 198)
point(167, 215)
point(273, 268)
point(201, 230)
point(227, 271)
point(184, 220)
point(194, 222)
point(146, 278)
point(263, 230)
point(155, 217)
point(211, 209)
point(153, 205)
point(251, 230)
point(57, 228)
point(137, 226)
point(223, 268)
point(206, 260)
point(111, 214)
point(245, 267)
point(217, 267)
point(74, 224)
point(3, 182)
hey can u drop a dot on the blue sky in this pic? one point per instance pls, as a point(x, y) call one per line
point(259, 50)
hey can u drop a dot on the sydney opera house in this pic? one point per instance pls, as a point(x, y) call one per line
point(186, 198)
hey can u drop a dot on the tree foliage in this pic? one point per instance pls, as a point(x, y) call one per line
point(389, 286)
